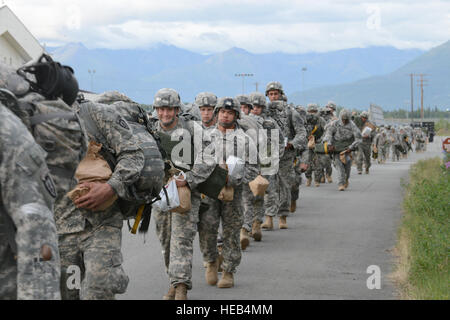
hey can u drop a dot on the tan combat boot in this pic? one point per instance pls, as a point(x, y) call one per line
point(170, 294)
point(256, 230)
point(346, 184)
point(268, 224)
point(322, 180)
point(227, 280)
point(329, 179)
point(181, 292)
point(317, 183)
point(367, 170)
point(308, 182)
point(341, 187)
point(293, 206)
point(282, 223)
point(211, 272)
point(245, 240)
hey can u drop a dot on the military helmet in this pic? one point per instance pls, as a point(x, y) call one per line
point(274, 85)
point(345, 114)
point(312, 107)
point(206, 99)
point(331, 105)
point(257, 98)
point(167, 98)
point(228, 103)
point(364, 114)
point(242, 99)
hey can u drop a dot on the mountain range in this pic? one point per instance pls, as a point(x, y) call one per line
point(393, 89)
point(353, 78)
point(139, 73)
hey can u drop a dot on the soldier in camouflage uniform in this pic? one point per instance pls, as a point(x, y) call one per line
point(206, 102)
point(301, 165)
point(254, 207)
point(90, 240)
point(342, 132)
point(176, 231)
point(364, 148)
point(381, 145)
point(29, 254)
point(395, 144)
point(229, 139)
point(294, 133)
point(315, 126)
point(245, 104)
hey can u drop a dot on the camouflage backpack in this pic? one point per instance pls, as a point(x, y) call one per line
point(53, 124)
point(146, 190)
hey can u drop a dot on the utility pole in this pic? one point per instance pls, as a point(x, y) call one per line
point(243, 75)
point(412, 97)
point(256, 85)
point(421, 83)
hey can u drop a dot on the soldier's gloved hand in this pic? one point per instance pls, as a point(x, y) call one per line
point(348, 150)
point(289, 146)
point(331, 148)
point(97, 195)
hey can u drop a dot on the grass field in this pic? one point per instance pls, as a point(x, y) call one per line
point(423, 245)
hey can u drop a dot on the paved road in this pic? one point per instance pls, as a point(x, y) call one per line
point(332, 239)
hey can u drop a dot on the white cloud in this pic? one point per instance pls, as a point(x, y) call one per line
point(257, 26)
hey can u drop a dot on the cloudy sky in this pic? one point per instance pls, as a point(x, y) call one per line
point(259, 26)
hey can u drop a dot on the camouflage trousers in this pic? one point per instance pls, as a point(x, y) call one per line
point(253, 207)
point(287, 180)
point(272, 196)
point(231, 215)
point(176, 233)
point(8, 272)
point(395, 152)
point(343, 170)
point(94, 255)
point(383, 153)
point(325, 161)
point(295, 189)
point(364, 153)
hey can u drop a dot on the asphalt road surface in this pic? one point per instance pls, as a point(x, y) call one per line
point(331, 240)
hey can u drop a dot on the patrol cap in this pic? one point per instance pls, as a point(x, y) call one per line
point(167, 97)
point(228, 103)
point(274, 85)
point(206, 99)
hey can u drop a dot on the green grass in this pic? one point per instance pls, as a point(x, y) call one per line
point(425, 232)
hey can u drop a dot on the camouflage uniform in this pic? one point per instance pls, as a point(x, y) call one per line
point(364, 148)
point(293, 128)
point(92, 240)
point(382, 145)
point(315, 126)
point(230, 213)
point(176, 231)
point(26, 203)
point(255, 207)
point(395, 144)
point(337, 131)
